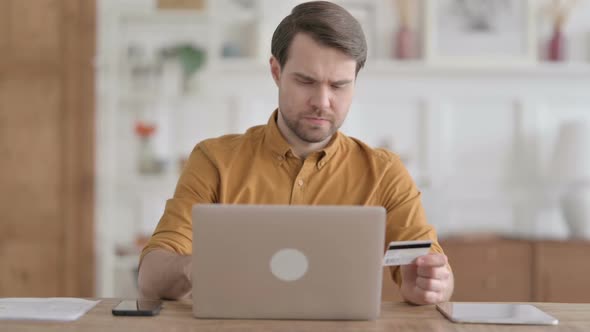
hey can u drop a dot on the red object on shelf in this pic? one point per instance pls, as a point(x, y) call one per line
point(144, 129)
point(404, 40)
point(556, 46)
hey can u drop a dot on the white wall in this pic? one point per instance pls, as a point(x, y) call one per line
point(478, 141)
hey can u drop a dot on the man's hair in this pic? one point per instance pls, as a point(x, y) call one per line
point(326, 23)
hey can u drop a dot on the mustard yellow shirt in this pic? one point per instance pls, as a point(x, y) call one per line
point(258, 167)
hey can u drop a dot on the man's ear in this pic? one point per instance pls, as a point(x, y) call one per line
point(275, 69)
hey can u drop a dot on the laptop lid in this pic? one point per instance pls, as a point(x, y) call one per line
point(287, 262)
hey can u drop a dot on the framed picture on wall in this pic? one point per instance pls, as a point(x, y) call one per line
point(480, 32)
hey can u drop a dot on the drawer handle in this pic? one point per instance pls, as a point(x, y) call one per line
point(491, 283)
point(492, 253)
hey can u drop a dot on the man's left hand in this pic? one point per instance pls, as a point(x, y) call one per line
point(428, 280)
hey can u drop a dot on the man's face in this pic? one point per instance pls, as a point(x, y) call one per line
point(316, 86)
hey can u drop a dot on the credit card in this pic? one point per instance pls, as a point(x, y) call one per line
point(405, 252)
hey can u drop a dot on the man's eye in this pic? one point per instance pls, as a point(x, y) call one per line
point(305, 82)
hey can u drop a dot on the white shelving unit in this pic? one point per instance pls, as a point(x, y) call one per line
point(127, 202)
point(219, 99)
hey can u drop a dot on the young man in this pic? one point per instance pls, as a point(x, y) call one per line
point(300, 157)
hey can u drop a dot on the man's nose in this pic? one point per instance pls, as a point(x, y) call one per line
point(321, 98)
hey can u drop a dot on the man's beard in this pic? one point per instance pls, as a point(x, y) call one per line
point(303, 131)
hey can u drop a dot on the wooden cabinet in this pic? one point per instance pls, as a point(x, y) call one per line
point(562, 272)
point(491, 270)
point(389, 290)
point(510, 270)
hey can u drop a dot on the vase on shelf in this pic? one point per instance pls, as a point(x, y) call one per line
point(556, 45)
point(571, 175)
point(559, 12)
point(404, 43)
point(148, 163)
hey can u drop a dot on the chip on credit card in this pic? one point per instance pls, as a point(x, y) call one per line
point(405, 252)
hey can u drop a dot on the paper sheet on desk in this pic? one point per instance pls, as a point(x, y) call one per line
point(56, 309)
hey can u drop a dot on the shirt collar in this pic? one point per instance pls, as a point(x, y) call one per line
point(275, 141)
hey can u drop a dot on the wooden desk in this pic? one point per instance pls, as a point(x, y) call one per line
point(177, 316)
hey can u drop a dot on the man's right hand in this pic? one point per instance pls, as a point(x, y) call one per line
point(427, 281)
point(166, 275)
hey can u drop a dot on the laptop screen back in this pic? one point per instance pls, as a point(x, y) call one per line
point(287, 262)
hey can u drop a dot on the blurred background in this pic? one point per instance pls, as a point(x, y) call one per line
point(485, 101)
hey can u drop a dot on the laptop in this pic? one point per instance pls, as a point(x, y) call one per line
point(287, 262)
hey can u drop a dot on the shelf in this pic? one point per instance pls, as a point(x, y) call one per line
point(248, 16)
point(418, 68)
point(384, 67)
point(150, 183)
point(130, 101)
point(167, 16)
point(239, 65)
point(227, 68)
point(127, 262)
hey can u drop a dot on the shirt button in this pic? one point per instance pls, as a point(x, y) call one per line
point(322, 164)
point(300, 183)
point(281, 158)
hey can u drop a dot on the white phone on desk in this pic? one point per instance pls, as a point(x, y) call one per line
point(495, 313)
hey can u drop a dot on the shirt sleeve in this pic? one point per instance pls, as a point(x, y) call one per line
point(198, 183)
point(406, 219)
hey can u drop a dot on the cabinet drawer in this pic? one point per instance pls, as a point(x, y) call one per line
point(390, 291)
point(562, 270)
point(493, 270)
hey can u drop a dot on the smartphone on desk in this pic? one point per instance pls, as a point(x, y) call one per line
point(138, 308)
